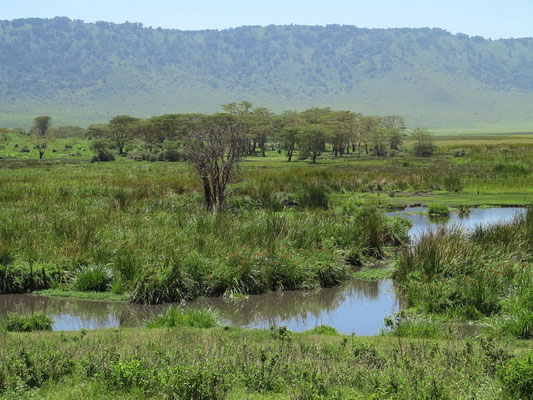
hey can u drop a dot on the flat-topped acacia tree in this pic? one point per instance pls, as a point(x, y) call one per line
point(214, 147)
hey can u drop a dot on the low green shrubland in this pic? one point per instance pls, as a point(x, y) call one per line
point(219, 363)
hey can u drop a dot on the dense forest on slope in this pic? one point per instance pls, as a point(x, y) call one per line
point(81, 73)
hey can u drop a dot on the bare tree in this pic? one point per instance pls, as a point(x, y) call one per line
point(214, 148)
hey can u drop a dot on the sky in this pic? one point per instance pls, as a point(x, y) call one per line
point(488, 18)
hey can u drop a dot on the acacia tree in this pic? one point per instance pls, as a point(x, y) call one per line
point(260, 126)
point(395, 126)
point(145, 130)
point(312, 141)
point(214, 148)
point(287, 138)
point(424, 146)
point(121, 130)
point(40, 128)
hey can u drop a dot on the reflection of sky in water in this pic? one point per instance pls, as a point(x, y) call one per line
point(359, 314)
point(72, 322)
point(354, 306)
point(476, 217)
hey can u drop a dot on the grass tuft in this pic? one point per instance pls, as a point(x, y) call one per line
point(192, 317)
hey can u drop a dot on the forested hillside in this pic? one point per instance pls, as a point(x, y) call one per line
point(82, 73)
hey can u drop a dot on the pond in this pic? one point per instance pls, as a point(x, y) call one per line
point(468, 221)
point(356, 306)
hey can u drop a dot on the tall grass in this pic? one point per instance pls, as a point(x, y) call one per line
point(486, 273)
point(192, 317)
point(95, 278)
point(146, 223)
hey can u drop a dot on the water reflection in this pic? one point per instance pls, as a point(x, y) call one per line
point(355, 306)
point(467, 221)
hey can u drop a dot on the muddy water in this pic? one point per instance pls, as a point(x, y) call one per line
point(355, 306)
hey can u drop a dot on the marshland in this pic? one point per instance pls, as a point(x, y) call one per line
point(248, 254)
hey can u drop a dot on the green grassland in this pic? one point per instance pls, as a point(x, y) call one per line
point(232, 363)
point(136, 230)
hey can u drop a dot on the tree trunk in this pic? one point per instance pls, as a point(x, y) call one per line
point(207, 194)
point(289, 156)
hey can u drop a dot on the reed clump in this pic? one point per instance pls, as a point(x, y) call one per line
point(486, 273)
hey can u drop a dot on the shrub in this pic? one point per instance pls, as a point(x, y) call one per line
point(102, 149)
point(92, 278)
point(171, 153)
point(424, 146)
point(20, 323)
point(193, 317)
point(517, 378)
point(19, 277)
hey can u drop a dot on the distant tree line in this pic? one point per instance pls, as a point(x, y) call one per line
point(308, 134)
point(214, 144)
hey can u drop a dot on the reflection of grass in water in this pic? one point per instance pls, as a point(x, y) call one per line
point(82, 295)
point(290, 305)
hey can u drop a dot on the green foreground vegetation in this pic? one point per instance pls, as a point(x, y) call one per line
point(137, 228)
point(232, 363)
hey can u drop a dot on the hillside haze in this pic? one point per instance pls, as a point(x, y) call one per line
point(82, 73)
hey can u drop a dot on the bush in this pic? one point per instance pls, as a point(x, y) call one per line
point(323, 330)
point(103, 152)
point(170, 152)
point(517, 378)
point(19, 277)
point(20, 323)
point(93, 278)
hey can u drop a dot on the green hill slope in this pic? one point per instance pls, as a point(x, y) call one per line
point(82, 73)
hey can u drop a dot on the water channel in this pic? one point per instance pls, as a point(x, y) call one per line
point(356, 306)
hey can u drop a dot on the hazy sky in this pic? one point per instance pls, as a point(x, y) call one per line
point(488, 18)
